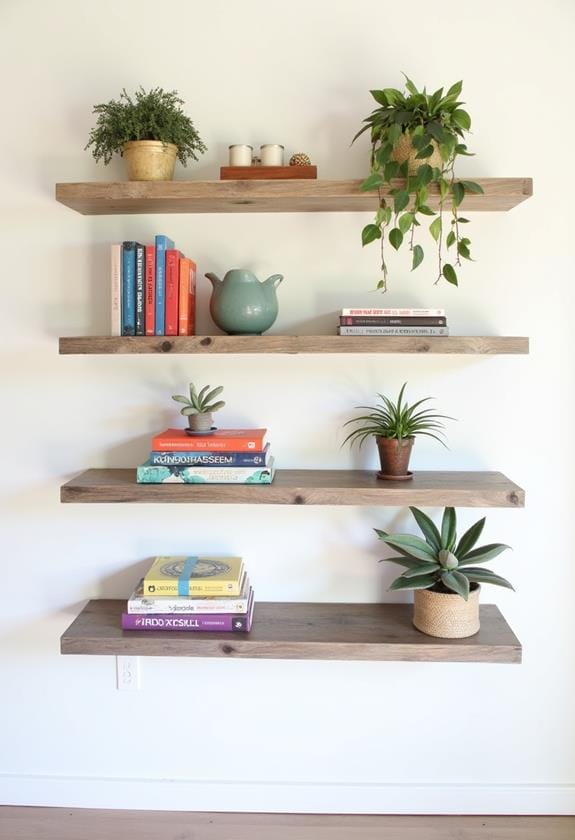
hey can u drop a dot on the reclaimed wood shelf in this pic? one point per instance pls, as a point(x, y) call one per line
point(299, 196)
point(304, 487)
point(382, 632)
point(293, 344)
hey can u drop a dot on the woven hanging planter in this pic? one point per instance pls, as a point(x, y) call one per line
point(405, 151)
point(446, 616)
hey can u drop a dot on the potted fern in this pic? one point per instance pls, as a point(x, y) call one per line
point(149, 130)
point(395, 425)
point(444, 572)
point(200, 406)
point(417, 137)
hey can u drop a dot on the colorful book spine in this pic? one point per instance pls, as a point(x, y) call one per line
point(193, 576)
point(198, 623)
point(150, 289)
point(225, 604)
point(187, 293)
point(396, 312)
point(390, 321)
point(405, 331)
point(224, 440)
point(162, 244)
point(129, 288)
point(140, 322)
point(116, 288)
point(149, 474)
point(210, 459)
point(172, 291)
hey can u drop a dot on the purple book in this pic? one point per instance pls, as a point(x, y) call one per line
point(194, 623)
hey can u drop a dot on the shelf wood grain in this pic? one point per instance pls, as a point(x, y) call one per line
point(293, 344)
point(304, 487)
point(293, 196)
point(299, 631)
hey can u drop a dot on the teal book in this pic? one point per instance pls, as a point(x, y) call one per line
point(149, 473)
point(162, 245)
point(129, 288)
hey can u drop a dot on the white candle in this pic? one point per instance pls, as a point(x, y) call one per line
point(240, 155)
point(272, 155)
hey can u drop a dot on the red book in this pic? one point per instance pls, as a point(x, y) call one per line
point(150, 290)
point(222, 440)
point(172, 290)
point(187, 308)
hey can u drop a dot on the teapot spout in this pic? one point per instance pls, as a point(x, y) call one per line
point(214, 279)
point(273, 281)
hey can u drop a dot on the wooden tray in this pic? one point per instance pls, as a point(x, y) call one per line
point(266, 173)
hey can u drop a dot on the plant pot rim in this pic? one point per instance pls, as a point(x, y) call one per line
point(474, 589)
point(409, 439)
point(132, 143)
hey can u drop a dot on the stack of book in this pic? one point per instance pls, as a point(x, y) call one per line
point(224, 456)
point(153, 289)
point(194, 594)
point(406, 322)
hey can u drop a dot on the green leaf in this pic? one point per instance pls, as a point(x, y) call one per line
point(443, 188)
point(189, 410)
point(421, 569)
point(428, 528)
point(449, 274)
point(390, 170)
point(424, 175)
point(394, 132)
point(380, 97)
point(370, 233)
point(383, 154)
point(410, 86)
point(469, 538)
point(450, 239)
point(405, 222)
point(213, 393)
point(437, 131)
point(462, 221)
point(455, 90)
point(423, 582)
point(406, 562)
point(473, 187)
point(458, 192)
point(463, 250)
point(392, 95)
point(486, 576)
point(415, 546)
point(448, 527)
point(483, 554)
point(462, 119)
point(372, 182)
point(435, 228)
point(180, 399)
point(400, 201)
point(396, 238)
point(457, 582)
point(417, 256)
point(427, 211)
point(426, 152)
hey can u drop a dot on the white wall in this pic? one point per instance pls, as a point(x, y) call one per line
point(309, 736)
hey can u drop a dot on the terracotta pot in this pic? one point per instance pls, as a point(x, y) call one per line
point(394, 457)
point(150, 160)
point(404, 151)
point(446, 615)
point(200, 422)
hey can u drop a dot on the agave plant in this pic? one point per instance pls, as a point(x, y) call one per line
point(397, 420)
point(200, 402)
point(440, 562)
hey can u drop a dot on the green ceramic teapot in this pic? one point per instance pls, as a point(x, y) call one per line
point(241, 304)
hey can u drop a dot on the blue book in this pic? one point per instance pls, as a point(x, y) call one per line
point(140, 325)
point(129, 288)
point(162, 245)
point(210, 459)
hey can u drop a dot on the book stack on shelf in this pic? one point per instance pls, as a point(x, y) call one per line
point(192, 594)
point(223, 456)
point(405, 322)
point(153, 289)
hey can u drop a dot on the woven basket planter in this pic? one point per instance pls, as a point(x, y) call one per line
point(446, 616)
point(150, 160)
point(404, 151)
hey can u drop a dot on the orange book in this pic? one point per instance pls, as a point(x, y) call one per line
point(187, 307)
point(172, 290)
point(221, 440)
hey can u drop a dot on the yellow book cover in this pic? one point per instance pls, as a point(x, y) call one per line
point(194, 575)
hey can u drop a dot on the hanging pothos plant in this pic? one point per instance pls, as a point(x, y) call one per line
point(417, 137)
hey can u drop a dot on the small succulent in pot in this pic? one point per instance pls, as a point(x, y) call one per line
point(395, 425)
point(200, 406)
point(444, 572)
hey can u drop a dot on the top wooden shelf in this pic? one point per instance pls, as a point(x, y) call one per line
point(123, 197)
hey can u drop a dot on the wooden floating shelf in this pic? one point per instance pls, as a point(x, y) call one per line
point(299, 196)
point(304, 487)
point(381, 632)
point(293, 344)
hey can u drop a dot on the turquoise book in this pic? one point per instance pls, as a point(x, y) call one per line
point(163, 244)
point(150, 474)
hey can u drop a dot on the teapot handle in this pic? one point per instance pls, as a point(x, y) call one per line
point(275, 280)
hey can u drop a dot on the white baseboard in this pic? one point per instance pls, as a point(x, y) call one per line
point(285, 797)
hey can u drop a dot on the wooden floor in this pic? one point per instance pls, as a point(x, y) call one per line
point(80, 824)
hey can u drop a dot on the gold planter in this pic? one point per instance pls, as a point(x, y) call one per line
point(404, 151)
point(150, 160)
point(446, 616)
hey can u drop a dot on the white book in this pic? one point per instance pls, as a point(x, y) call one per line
point(396, 312)
point(138, 604)
point(116, 289)
point(405, 331)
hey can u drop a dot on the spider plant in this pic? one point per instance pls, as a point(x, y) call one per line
point(439, 561)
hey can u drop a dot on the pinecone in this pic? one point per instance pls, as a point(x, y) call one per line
point(299, 160)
